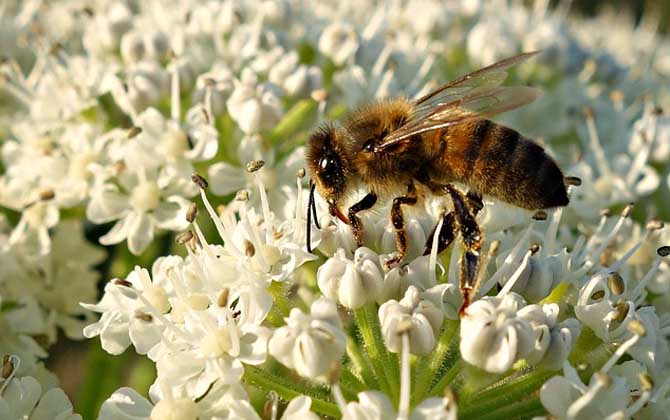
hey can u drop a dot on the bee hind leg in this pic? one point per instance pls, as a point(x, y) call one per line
point(398, 222)
point(472, 241)
point(356, 227)
point(447, 234)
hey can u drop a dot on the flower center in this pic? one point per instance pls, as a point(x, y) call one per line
point(174, 142)
point(158, 297)
point(175, 409)
point(145, 196)
point(217, 343)
point(79, 165)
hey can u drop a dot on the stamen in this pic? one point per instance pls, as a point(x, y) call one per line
point(224, 233)
point(617, 227)
point(432, 261)
point(271, 406)
point(405, 378)
point(550, 236)
point(517, 274)
point(133, 132)
point(10, 365)
point(254, 166)
point(602, 381)
point(175, 100)
point(639, 288)
point(511, 259)
point(339, 398)
point(594, 143)
point(638, 330)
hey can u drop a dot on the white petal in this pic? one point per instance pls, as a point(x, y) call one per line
point(140, 233)
point(125, 404)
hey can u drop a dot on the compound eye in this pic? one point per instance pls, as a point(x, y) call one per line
point(328, 164)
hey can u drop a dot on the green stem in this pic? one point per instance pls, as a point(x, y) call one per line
point(500, 396)
point(370, 331)
point(350, 384)
point(361, 364)
point(526, 409)
point(295, 118)
point(287, 390)
point(427, 367)
point(447, 379)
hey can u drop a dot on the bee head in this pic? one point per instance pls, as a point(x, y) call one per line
point(327, 163)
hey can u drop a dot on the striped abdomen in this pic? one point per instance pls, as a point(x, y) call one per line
point(497, 161)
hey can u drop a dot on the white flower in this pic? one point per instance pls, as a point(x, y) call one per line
point(312, 344)
point(23, 398)
point(373, 405)
point(553, 340)
point(339, 42)
point(140, 206)
point(253, 105)
point(493, 335)
point(296, 79)
point(351, 283)
point(420, 318)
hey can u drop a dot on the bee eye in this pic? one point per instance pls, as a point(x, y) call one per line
point(328, 164)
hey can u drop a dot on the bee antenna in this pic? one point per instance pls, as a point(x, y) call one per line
point(310, 209)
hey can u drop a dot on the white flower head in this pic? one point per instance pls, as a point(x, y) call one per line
point(312, 344)
point(413, 315)
point(351, 283)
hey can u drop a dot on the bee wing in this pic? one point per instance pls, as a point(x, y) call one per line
point(475, 95)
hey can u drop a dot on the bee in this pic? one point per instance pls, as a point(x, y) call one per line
point(408, 149)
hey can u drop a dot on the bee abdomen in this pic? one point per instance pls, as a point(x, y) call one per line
point(505, 165)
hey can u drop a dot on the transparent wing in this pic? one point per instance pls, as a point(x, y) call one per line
point(475, 95)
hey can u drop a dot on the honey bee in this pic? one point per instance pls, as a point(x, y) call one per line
point(407, 149)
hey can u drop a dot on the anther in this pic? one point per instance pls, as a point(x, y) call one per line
point(494, 248)
point(615, 283)
point(646, 381)
point(627, 210)
point(663, 251)
point(255, 165)
point(320, 95)
point(199, 181)
point(121, 282)
point(621, 311)
point(242, 195)
point(603, 378)
point(236, 314)
point(205, 115)
point(540, 215)
point(573, 180)
point(249, 249)
point(133, 132)
point(7, 367)
point(534, 249)
point(605, 212)
point(637, 328)
point(404, 327)
point(655, 224)
point(588, 112)
point(46, 195)
point(192, 213)
point(184, 237)
point(657, 110)
point(222, 300)
point(301, 173)
point(598, 295)
point(143, 316)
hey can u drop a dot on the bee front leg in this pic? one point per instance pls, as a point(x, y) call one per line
point(398, 222)
point(356, 227)
point(472, 241)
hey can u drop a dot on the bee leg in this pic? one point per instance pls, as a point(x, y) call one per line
point(447, 234)
point(472, 241)
point(398, 222)
point(475, 203)
point(356, 227)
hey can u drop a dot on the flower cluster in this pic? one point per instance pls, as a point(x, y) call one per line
point(149, 128)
